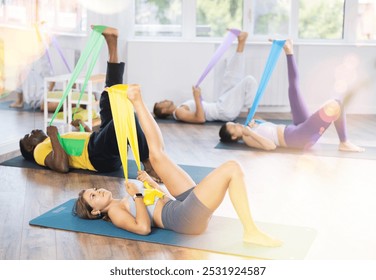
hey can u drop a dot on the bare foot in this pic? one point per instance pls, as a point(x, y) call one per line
point(108, 31)
point(148, 168)
point(262, 239)
point(17, 104)
point(134, 93)
point(288, 48)
point(242, 37)
point(110, 34)
point(349, 147)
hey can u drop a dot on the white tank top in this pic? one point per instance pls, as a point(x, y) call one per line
point(268, 130)
point(210, 109)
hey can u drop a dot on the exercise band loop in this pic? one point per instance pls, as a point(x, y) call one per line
point(231, 36)
point(125, 128)
point(93, 48)
point(275, 51)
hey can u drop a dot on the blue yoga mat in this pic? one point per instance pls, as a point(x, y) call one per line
point(224, 235)
point(5, 106)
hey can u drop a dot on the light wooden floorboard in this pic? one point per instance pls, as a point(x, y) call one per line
point(335, 196)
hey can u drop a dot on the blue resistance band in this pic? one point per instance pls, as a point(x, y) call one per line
point(275, 51)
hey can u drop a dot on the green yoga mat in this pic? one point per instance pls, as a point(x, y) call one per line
point(196, 172)
point(224, 235)
point(324, 150)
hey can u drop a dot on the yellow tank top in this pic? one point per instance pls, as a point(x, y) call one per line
point(81, 161)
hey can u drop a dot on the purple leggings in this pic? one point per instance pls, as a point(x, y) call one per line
point(307, 129)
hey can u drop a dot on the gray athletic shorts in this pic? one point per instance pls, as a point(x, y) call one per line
point(186, 214)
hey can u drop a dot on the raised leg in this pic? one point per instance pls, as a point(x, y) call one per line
point(235, 69)
point(103, 145)
point(175, 179)
point(209, 191)
point(114, 75)
point(299, 109)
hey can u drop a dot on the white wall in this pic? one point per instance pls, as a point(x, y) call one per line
point(167, 70)
point(21, 45)
point(326, 69)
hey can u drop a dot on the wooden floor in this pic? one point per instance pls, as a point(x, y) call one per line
point(335, 196)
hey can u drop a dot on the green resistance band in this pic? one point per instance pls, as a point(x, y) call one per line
point(93, 48)
point(74, 147)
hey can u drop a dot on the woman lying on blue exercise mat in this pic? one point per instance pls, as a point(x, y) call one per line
point(305, 130)
point(193, 206)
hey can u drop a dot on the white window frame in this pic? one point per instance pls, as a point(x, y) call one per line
point(189, 25)
point(32, 13)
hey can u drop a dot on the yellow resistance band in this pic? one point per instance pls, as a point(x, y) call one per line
point(125, 129)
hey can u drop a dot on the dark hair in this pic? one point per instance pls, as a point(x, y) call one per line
point(83, 210)
point(224, 135)
point(158, 112)
point(28, 155)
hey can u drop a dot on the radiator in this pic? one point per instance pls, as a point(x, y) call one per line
point(276, 92)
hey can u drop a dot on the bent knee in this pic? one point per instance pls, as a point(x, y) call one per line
point(250, 80)
point(332, 109)
point(156, 155)
point(233, 167)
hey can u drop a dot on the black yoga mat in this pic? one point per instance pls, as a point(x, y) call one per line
point(325, 150)
point(196, 172)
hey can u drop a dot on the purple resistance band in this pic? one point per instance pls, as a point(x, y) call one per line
point(57, 47)
point(231, 36)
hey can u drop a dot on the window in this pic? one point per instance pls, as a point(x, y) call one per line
point(57, 15)
point(158, 18)
point(272, 17)
point(321, 19)
point(2, 60)
point(18, 12)
point(366, 29)
point(2, 14)
point(215, 16)
point(297, 19)
point(62, 16)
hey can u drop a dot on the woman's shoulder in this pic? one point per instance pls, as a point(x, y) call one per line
point(122, 205)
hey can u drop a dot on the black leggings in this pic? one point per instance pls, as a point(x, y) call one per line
point(103, 149)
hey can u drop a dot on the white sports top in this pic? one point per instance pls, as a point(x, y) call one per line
point(132, 203)
point(210, 109)
point(267, 130)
